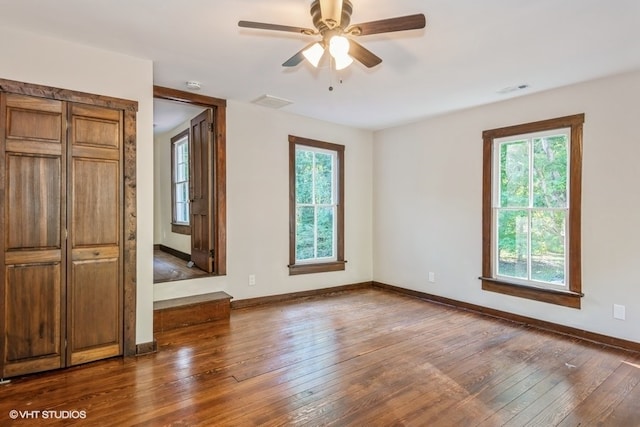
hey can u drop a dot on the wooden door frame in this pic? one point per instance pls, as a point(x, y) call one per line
point(219, 198)
point(129, 238)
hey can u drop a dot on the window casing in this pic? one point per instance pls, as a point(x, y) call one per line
point(316, 215)
point(180, 222)
point(531, 210)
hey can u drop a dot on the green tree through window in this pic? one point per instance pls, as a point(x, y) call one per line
point(317, 206)
point(531, 210)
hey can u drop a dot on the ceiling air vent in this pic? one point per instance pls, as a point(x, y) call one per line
point(271, 101)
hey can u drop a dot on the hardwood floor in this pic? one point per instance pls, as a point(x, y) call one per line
point(361, 358)
point(169, 268)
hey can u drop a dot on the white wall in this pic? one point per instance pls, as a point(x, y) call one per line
point(427, 203)
point(258, 206)
point(41, 60)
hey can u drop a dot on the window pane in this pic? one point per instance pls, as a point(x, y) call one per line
point(324, 178)
point(325, 232)
point(513, 243)
point(305, 224)
point(182, 192)
point(182, 172)
point(514, 174)
point(185, 151)
point(182, 212)
point(550, 171)
point(304, 176)
point(548, 246)
point(179, 154)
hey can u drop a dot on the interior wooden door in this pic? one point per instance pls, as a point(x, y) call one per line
point(201, 186)
point(32, 277)
point(94, 262)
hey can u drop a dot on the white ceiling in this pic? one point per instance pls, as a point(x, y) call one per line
point(469, 51)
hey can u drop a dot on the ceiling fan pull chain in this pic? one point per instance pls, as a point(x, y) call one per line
point(331, 67)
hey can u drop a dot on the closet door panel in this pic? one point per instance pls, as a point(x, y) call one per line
point(33, 200)
point(33, 318)
point(95, 229)
point(96, 329)
point(33, 119)
point(95, 209)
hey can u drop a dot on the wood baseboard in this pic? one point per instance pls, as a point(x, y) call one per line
point(536, 323)
point(146, 348)
point(175, 252)
point(251, 302)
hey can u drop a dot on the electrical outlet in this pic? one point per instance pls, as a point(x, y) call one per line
point(252, 280)
point(432, 277)
point(619, 312)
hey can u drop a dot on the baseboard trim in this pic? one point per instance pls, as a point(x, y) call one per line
point(529, 321)
point(176, 253)
point(146, 348)
point(252, 302)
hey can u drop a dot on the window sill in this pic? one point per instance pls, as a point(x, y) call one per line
point(180, 228)
point(316, 267)
point(551, 296)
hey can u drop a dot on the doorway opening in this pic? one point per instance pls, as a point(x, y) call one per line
point(189, 186)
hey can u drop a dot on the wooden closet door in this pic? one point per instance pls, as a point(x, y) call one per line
point(32, 277)
point(94, 298)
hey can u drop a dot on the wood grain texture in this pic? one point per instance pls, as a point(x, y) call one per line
point(94, 265)
point(360, 358)
point(527, 321)
point(33, 206)
point(169, 268)
point(193, 310)
point(41, 96)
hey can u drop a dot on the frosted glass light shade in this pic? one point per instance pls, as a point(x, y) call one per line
point(343, 61)
point(339, 49)
point(314, 54)
point(338, 46)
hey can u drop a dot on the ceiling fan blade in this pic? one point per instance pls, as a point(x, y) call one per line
point(362, 54)
point(275, 27)
point(297, 58)
point(402, 23)
point(331, 12)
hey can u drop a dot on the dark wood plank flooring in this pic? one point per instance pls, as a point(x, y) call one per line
point(361, 358)
point(169, 268)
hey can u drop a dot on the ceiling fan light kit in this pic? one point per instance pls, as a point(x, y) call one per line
point(331, 19)
point(314, 54)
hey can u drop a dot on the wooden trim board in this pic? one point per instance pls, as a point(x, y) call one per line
point(191, 310)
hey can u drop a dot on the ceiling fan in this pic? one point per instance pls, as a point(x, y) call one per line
point(331, 19)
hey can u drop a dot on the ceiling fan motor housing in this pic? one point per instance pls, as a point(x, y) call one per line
point(322, 25)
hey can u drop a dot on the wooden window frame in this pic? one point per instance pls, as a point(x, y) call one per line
point(315, 267)
point(177, 227)
point(572, 296)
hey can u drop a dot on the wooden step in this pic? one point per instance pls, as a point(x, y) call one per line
point(192, 310)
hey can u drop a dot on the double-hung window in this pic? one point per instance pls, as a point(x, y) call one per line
point(316, 215)
point(531, 212)
point(180, 183)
